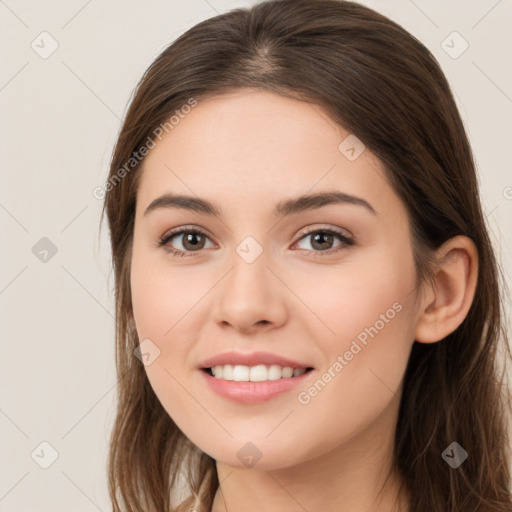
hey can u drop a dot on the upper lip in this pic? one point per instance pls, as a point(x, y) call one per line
point(251, 359)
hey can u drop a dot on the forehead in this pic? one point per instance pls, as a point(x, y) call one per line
point(258, 146)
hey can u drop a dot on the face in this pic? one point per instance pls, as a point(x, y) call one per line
point(326, 283)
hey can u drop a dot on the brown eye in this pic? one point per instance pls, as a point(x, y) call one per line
point(187, 240)
point(193, 241)
point(322, 240)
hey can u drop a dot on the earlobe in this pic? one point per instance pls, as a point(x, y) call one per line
point(451, 291)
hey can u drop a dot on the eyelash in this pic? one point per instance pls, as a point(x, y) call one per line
point(346, 241)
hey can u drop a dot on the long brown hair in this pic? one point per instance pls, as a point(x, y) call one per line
point(381, 84)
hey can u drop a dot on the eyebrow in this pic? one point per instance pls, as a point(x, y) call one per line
point(283, 208)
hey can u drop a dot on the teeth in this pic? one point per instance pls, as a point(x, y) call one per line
point(241, 373)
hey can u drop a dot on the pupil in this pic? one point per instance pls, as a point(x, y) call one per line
point(323, 235)
point(190, 238)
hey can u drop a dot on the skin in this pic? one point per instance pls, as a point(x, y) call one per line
point(245, 152)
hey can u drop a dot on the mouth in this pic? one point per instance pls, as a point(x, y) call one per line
point(258, 373)
point(236, 384)
point(248, 385)
point(251, 378)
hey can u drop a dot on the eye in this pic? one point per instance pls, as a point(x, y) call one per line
point(191, 240)
point(194, 240)
point(322, 240)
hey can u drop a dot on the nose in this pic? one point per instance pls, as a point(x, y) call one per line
point(251, 298)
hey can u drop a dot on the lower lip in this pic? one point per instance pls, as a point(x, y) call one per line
point(253, 392)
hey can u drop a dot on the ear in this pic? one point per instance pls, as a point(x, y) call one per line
point(449, 295)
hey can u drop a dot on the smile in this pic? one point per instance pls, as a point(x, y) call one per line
point(278, 380)
point(259, 373)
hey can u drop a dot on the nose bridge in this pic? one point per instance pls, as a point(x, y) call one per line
point(250, 293)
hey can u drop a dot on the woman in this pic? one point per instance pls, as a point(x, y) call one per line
point(307, 300)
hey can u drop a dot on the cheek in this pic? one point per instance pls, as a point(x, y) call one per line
point(368, 304)
point(166, 301)
point(364, 297)
point(370, 309)
point(161, 294)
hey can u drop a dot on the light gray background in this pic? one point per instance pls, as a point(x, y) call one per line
point(60, 117)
